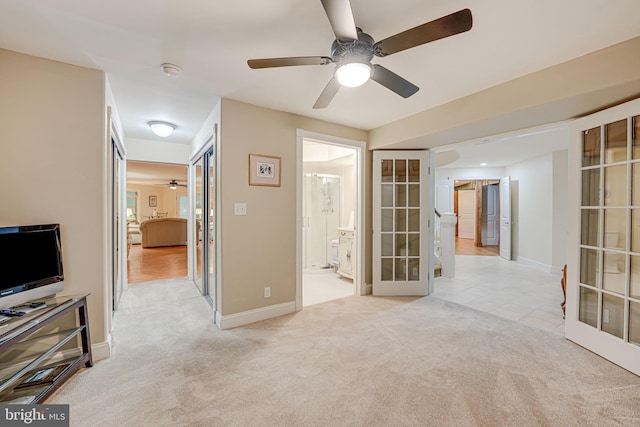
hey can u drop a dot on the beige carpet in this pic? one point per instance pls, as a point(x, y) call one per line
point(359, 361)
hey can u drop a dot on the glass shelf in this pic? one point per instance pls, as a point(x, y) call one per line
point(33, 342)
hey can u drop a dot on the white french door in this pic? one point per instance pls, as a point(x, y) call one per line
point(603, 271)
point(402, 223)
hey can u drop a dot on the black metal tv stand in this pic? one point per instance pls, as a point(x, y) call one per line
point(35, 360)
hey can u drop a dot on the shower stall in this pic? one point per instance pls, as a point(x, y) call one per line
point(321, 213)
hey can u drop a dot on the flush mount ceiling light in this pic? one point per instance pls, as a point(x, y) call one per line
point(162, 129)
point(171, 70)
point(353, 74)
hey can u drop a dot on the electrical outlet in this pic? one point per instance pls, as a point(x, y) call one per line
point(605, 316)
point(267, 292)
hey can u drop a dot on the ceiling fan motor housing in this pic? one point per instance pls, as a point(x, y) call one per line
point(360, 50)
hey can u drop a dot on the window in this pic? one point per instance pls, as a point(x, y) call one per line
point(132, 205)
point(183, 203)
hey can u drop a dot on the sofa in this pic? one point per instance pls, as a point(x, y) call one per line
point(163, 232)
point(133, 233)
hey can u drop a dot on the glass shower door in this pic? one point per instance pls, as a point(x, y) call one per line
point(321, 211)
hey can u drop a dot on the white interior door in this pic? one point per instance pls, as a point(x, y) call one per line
point(603, 262)
point(467, 214)
point(444, 195)
point(505, 218)
point(402, 217)
point(490, 216)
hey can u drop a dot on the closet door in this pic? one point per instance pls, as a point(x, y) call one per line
point(402, 219)
point(603, 285)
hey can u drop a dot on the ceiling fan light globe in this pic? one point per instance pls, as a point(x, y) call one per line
point(162, 129)
point(353, 74)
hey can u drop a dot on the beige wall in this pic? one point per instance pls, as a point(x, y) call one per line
point(531, 201)
point(157, 151)
point(52, 160)
point(561, 92)
point(167, 200)
point(560, 160)
point(259, 249)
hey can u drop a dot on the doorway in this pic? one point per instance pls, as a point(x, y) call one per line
point(527, 289)
point(475, 227)
point(155, 191)
point(330, 209)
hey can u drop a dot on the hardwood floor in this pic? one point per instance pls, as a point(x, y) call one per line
point(466, 247)
point(163, 263)
point(156, 263)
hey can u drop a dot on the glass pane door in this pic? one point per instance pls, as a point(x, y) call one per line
point(211, 231)
point(607, 206)
point(603, 299)
point(403, 238)
point(205, 214)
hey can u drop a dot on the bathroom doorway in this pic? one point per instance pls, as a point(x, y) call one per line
point(329, 206)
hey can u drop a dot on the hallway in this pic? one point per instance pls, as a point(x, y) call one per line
point(466, 247)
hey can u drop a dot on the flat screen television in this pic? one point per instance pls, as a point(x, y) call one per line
point(31, 263)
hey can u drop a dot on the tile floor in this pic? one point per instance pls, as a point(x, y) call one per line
point(508, 289)
point(324, 285)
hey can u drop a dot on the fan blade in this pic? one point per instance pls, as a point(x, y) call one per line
point(327, 94)
point(287, 62)
point(341, 19)
point(449, 25)
point(393, 82)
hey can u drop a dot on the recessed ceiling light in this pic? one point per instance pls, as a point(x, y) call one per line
point(162, 129)
point(484, 164)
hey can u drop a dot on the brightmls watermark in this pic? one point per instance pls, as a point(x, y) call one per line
point(34, 415)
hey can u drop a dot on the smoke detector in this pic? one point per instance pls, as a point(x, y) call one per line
point(171, 70)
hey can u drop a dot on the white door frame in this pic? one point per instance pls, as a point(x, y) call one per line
point(359, 221)
point(212, 143)
point(114, 141)
point(506, 220)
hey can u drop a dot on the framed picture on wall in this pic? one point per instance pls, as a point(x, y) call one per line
point(153, 201)
point(264, 170)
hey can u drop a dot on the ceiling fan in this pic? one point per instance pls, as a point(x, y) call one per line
point(173, 184)
point(353, 49)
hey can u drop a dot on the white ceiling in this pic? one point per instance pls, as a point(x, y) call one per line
point(159, 174)
point(505, 150)
point(211, 41)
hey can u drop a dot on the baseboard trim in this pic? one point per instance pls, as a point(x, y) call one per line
point(368, 289)
point(102, 350)
point(540, 266)
point(246, 317)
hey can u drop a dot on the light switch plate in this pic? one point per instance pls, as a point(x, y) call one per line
point(239, 208)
